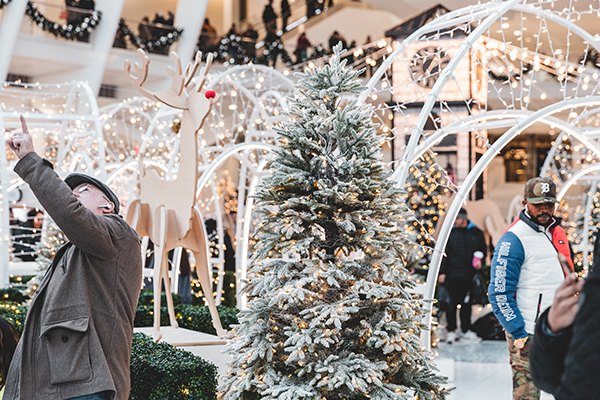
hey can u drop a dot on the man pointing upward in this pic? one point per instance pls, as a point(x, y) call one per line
point(76, 343)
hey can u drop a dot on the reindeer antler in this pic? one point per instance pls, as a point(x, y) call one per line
point(138, 77)
point(176, 75)
point(204, 73)
point(177, 95)
point(192, 67)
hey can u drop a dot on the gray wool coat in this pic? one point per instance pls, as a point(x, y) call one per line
point(78, 332)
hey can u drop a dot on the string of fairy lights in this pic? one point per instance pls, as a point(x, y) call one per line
point(251, 103)
point(510, 69)
point(523, 62)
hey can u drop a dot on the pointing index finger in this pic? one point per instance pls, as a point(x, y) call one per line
point(24, 125)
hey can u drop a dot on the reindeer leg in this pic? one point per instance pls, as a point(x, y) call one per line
point(204, 270)
point(161, 267)
point(170, 306)
point(156, 280)
point(164, 221)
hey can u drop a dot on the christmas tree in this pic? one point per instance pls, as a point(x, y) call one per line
point(427, 183)
point(339, 320)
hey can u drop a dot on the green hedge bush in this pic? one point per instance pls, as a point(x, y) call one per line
point(147, 298)
point(227, 295)
point(189, 317)
point(160, 371)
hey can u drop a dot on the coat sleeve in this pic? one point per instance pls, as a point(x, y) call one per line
point(91, 233)
point(507, 260)
point(547, 355)
point(575, 357)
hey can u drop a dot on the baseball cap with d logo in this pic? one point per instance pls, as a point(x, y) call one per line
point(540, 190)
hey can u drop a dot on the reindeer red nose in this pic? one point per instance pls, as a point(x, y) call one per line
point(210, 94)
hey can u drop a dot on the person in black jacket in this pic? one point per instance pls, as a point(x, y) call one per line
point(564, 356)
point(269, 17)
point(457, 271)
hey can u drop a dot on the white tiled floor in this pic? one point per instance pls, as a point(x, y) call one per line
point(479, 380)
point(473, 379)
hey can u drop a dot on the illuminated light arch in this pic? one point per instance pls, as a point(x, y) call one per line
point(243, 225)
point(584, 245)
point(576, 176)
point(469, 182)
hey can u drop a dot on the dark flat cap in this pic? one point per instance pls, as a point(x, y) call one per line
point(76, 179)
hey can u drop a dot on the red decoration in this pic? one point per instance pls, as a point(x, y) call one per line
point(210, 94)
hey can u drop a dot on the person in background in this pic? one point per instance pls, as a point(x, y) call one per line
point(249, 38)
point(208, 36)
point(302, 45)
point(170, 20)
point(144, 29)
point(233, 31)
point(269, 17)
point(160, 29)
point(76, 341)
point(311, 7)
point(77, 11)
point(285, 14)
point(457, 271)
point(530, 262)
point(271, 42)
point(9, 338)
point(336, 38)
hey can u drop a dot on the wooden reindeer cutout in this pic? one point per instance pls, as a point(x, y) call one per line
point(165, 211)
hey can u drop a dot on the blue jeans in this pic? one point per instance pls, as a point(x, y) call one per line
point(93, 396)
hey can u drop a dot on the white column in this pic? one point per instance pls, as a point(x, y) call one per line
point(189, 16)
point(4, 214)
point(10, 25)
point(101, 40)
point(227, 15)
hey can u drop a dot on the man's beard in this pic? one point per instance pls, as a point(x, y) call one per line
point(537, 221)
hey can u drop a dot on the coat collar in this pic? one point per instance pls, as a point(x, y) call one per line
point(555, 221)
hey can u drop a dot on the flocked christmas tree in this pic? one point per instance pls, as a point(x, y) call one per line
point(339, 320)
point(426, 185)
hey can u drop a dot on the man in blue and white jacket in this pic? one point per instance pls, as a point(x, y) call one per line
point(531, 260)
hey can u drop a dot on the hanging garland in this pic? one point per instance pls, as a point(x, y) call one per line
point(161, 42)
point(271, 52)
point(232, 51)
point(4, 3)
point(67, 31)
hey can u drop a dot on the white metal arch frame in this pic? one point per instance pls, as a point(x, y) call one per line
point(448, 20)
point(472, 177)
point(242, 238)
point(577, 176)
point(445, 74)
point(584, 241)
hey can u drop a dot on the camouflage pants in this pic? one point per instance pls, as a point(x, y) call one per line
point(523, 388)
